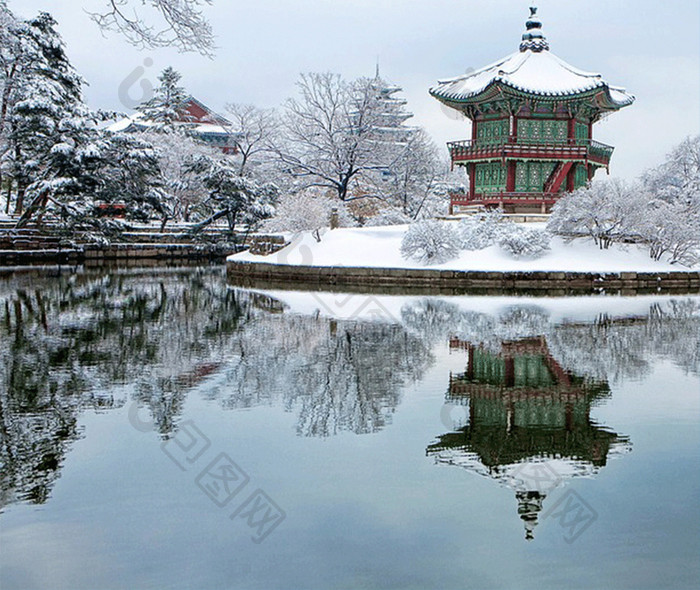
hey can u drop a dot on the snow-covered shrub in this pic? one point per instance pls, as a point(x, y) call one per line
point(677, 179)
point(606, 211)
point(671, 228)
point(524, 242)
point(431, 242)
point(299, 212)
point(482, 230)
point(306, 210)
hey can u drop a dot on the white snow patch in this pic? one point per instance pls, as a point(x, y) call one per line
point(379, 247)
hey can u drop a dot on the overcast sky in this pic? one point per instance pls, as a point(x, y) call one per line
point(652, 48)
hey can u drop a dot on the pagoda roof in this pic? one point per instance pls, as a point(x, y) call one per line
point(533, 70)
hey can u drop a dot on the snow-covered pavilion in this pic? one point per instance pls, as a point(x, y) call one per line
point(532, 119)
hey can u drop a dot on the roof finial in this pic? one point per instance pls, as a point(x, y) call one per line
point(377, 73)
point(533, 39)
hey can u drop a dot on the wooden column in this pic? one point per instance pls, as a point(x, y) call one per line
point(570, 177)
point(472, 179)
point(510, 178)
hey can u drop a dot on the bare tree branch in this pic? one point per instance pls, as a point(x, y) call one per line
point(182, 24)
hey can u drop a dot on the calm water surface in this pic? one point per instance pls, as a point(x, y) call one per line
point(161, 429)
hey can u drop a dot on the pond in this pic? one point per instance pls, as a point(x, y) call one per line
point(163, 429)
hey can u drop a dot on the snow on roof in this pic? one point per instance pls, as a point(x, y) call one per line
point(533, 69)
point(127, 122)
point(137, 122)
point(541, 73)
point(209, 128)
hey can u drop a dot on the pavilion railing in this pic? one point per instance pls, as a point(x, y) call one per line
point(503, 197)
point(511, 146)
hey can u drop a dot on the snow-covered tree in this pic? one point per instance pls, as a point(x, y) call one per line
point(670, 228)
point(606, 210)
point(305, 210)
point(183, 191)
point(166, 106)
point(482, 229)
point(329, 133)
point(15, 57)
point(677, 179)
point(241, 200)
point(523, 242)
point(53, 132)
point(430, 241)
point(254, 132)
point(182, 24)
point(60, 158)
point(412, 180)
point(672, 223)
point(128, 172)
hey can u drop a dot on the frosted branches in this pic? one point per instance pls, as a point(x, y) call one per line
point(182, 24)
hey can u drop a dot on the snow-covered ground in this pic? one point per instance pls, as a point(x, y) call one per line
point(379, 247)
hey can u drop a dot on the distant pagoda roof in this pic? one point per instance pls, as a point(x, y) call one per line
point(533, 70)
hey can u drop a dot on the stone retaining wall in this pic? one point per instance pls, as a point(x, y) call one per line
point(94, 255)
point(267, 275)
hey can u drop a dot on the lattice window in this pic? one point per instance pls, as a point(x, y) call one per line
point(531, 176)
point(541, 130)
point(490, 177)
point(492, 131)
point(580, 176)
point(581, 130)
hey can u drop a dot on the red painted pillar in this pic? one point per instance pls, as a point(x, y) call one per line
point(472, 180)
point(570, 178)
point(510, 178)
point(571, 131)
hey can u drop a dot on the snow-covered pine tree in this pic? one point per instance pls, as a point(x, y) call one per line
point(166, 107)
point(52, 130)
point(63, 161)
point(11, 68)
point(239, 199)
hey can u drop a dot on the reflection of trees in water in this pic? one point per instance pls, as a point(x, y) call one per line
point(69, 342)
point(609, 348)
point(341, 375)
point(66, 341)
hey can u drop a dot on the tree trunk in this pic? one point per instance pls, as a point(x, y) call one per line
point(19, 203)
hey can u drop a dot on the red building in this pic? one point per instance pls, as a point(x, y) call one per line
point(198, 119)
point(532, 120)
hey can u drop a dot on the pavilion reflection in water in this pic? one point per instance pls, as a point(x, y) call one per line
point(529, 422)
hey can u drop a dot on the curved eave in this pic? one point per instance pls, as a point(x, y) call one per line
point(608, 99)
